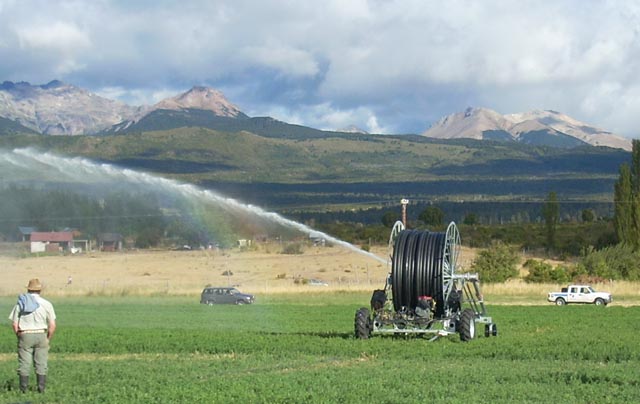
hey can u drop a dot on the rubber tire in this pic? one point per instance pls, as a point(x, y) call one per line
point(378, 299)
point(494, 331)
point(362, 324)
point(239, 302)
point(487, 330)
point(467, 325)
point(209, 303)
point(560, 302)
point(599, 302)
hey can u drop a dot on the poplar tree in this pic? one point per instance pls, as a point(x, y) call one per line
point(626, 198)
point(622, 199)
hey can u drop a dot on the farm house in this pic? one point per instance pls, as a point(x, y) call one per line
point(110, 242)
point(55, 241)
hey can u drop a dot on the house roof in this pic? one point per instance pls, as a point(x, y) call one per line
point(53, 236)
point(26, 229)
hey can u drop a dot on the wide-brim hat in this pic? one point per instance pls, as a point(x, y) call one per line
point(34, 284)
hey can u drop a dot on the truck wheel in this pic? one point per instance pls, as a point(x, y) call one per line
point(239, 302)
point(362, 323)
point(599, 302)
point(467, 325)
point(560, 302)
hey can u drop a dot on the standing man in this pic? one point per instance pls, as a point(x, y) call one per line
point(34, 323)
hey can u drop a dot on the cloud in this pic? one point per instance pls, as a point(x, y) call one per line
point(56, 36)
point(328, 117)
point(137, 97)
point(390, 65)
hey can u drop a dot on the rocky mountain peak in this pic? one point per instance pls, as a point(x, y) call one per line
point(199, 97)
point(57, 108)
point(538, 126)
point(467, 124)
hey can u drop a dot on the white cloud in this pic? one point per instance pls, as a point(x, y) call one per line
point(137, 97)
point(57, 36)
point(285, 59)
point(328, 117)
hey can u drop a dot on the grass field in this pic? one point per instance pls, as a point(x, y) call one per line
point(299, 348)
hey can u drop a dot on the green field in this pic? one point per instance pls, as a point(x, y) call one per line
point(300, 349)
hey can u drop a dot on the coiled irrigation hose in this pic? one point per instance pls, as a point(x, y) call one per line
point(417, 268)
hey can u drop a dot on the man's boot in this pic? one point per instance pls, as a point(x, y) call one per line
point(24, 383)
point(42, 381)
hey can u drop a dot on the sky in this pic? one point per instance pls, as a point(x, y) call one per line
point(384, 66)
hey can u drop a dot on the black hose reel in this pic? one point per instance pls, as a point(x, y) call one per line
point(423, 264)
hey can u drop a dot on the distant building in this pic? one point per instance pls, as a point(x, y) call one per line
point(54, 241)
point(24, 232)
point(110, 242)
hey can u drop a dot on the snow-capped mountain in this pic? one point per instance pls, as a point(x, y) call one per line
point(537, 127)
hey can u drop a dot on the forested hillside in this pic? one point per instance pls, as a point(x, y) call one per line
point(339, 172)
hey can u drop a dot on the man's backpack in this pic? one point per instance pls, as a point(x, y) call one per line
point(27, 303)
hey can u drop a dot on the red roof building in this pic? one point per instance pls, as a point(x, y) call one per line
point(52, 236)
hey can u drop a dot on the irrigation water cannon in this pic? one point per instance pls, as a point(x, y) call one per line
point(423, 294)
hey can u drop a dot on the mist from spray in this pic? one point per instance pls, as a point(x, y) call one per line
point(30, 164)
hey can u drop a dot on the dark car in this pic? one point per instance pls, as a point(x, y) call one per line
point(215, 295)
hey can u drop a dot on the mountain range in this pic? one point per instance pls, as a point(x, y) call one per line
point(57, 108)
point(549, 128)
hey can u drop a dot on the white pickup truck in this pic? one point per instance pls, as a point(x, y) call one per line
point(579, 294)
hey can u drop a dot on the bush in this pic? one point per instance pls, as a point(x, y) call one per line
point(616, 262)
point(496, 264)
point(543, 272)
point(292, 249)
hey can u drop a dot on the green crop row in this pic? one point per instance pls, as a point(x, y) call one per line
point(300, 348)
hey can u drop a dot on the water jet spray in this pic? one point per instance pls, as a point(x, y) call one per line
point(48, 166)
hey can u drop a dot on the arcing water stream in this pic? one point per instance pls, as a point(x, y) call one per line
point(46, 166)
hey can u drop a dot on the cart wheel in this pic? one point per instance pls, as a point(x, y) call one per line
point(362, 323)
point(467, 325)
point(494, 330)
point(487, 330)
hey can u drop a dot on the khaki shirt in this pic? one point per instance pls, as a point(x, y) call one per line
point(38, 320)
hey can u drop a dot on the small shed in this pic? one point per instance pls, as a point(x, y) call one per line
point(110, 242)
point(24, 232)
point(54, 241)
